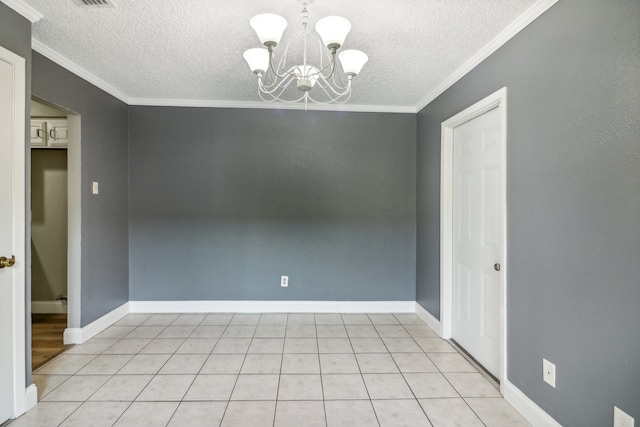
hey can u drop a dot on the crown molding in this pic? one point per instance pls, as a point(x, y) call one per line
point(202, 103)
point(24, 9)
point(507, 34)
point(54, 56)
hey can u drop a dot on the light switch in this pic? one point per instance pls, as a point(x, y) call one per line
point(95, 187)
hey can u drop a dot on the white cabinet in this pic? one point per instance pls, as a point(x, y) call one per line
point(49, 133)
point(38, 133)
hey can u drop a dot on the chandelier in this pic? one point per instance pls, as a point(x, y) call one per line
point(320, 82)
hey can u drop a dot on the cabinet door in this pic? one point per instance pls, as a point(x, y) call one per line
point(58, 132)
point(38, 133)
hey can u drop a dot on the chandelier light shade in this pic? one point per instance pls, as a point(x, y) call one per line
point(333, 30)
point(352, 61)
point(308, 59)
point(269, 28)
point(258, 59)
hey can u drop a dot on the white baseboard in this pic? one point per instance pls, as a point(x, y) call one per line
point(428, 318)
point(272, 306)
point(527, 407)
point(80, 335)
point(49, 306)
point(31, 397)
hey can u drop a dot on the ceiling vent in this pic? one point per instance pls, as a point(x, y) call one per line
point(95, 3)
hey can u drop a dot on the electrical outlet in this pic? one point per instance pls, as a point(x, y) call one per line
point(95, 187)
point(621, 419)
point(549, 373)
point(284, 281)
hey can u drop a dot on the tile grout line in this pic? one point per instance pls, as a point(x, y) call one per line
point(224, 413)
point(360, 369)
point(194, 377)
point(324, 407)
point(152, 375)
point(405, 379)
point(284, 342)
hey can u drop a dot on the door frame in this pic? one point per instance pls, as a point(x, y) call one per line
point(74, 220)
point(498, 100)
point(18, 198)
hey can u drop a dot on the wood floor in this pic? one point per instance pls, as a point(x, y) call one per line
point(46, 337)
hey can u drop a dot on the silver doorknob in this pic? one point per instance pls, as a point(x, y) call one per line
point(7, 262)
point(496, 266)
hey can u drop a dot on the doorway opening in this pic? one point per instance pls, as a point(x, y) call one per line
point(54, 142)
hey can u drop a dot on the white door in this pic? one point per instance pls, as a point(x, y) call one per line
point(12, 196)
point(477, 237)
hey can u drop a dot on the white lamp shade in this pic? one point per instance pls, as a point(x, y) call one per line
point(352, 61)
point(269, 27)
point(333, 30)
point(258, 59)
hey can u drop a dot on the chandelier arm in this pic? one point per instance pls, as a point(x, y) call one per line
point(337, 81)
point(340, 91)
point(269, 80)
point(276, 97)
point(332, 60)
point(332, 94)
point(280, 66)
point(282, 84)
point(320, 73)
point(332, 100)
point(272, 67)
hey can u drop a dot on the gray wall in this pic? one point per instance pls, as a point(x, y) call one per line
point(225, 201)
point(15, 35)
point(48, 224)
point(573, 160)
point(105, 232)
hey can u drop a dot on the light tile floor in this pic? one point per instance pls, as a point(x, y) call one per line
point(276, 370)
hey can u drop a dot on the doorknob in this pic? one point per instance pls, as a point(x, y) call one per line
point(7, 262)
point(496, 266)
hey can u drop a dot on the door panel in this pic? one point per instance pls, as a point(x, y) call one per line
point(12, 231)
point(6, 247)
point(477, 237)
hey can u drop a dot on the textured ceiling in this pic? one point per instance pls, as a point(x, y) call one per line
point(177, 50)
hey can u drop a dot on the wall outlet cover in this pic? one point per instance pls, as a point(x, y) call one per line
point(284, 281)
point(621, 418)
point(549, 373)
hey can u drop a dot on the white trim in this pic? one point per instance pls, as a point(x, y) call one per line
point(24, 9)
point(74, 221)
point(498, 100)
point(530, 15)
point(31, 397)
point(158, 102)
point(80, 335)
point(48, 306)
point(46, 51)
point(429, 319)
point(18, 219)
point(527, 407)
point(272, 306)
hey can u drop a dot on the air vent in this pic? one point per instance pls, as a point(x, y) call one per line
point(95, 3)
